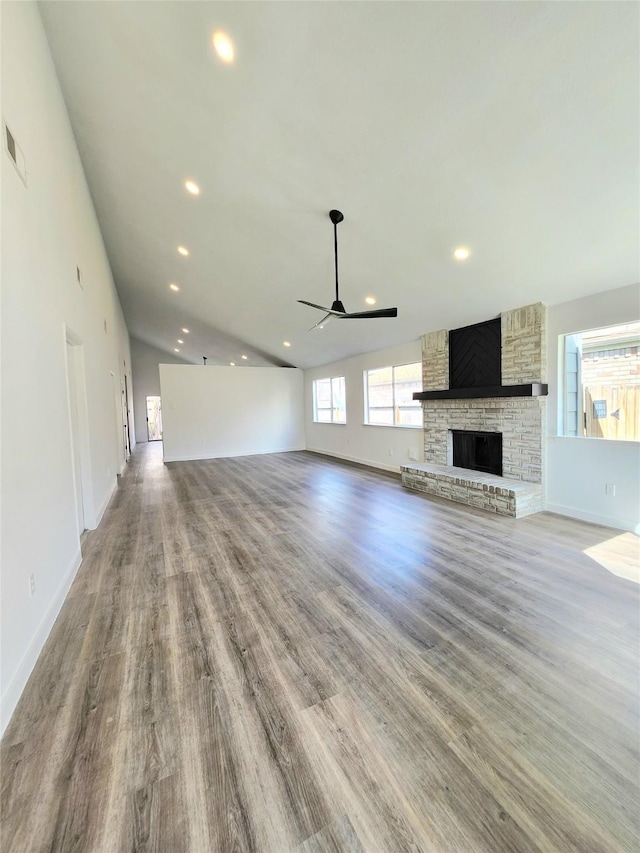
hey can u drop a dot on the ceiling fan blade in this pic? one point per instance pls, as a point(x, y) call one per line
point(324, 320)
point(366, 315)
point(322, 308)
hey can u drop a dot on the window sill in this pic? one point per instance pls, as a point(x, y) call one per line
point(591, 438)
point(329, 423)
point(393, 426)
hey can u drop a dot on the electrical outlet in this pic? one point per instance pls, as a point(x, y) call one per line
point(390, 452)
point(610, 490)
point(413, 454)
point(32, 585)
point(348, 441)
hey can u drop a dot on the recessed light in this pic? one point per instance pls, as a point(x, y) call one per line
point(461, 253)
point(179, 341)
point(286, 343)
point(192, 187)
point(174, 287)
point(370, 300)
point(175, 349)
point(232, 364)
point(186, 331)
point(223, 46)
point(321, 326)
point(183, 251)
point(245, 357)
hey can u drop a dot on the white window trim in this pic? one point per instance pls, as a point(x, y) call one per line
point(563, 390)
point(314, 406)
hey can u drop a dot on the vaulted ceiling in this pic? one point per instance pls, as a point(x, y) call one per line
point(509, 128)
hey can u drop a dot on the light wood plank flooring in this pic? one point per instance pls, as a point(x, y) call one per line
point(288, 653)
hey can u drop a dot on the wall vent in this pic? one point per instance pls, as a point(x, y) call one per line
point(11, 145)
point(15, 153)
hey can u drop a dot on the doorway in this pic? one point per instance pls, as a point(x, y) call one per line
point(154, 419)
point(125, 417)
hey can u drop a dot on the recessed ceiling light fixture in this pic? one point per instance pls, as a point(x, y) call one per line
point(370, 300)
point(286, 343)
point(192, 187)
point(174, 287)
point(186, 331)
point(245, 357)
point(179, 341)
point(175, 349)
point(232, 364)
point(223, 46)
point(183, 251)
point(461, 253)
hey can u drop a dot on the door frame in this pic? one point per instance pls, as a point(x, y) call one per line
point(146, 400)
point(80, 455)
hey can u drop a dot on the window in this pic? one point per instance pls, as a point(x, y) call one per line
point(602, 383)
point(329, 401)
point(389, 395)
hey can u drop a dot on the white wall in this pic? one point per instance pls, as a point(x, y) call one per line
point(578, 469)
point(381, 447)
point(48, 228)
point(230, 411)
point(145, 361)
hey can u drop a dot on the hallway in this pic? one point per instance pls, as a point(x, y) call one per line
point(289, 653)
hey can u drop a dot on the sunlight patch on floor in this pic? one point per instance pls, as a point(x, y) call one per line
point(620, 555)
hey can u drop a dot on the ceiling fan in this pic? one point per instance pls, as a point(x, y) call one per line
point(337, 308)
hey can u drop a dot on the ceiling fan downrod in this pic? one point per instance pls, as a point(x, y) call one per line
point(336, 216)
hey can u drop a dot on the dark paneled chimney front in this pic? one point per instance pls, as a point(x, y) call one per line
point(475, 356)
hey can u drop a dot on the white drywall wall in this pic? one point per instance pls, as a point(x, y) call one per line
point(379, 446)
point(145, 360)
point(578, 469)
point(230, 411)
point(48, 228)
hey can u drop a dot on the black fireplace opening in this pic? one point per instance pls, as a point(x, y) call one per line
point(480, 451)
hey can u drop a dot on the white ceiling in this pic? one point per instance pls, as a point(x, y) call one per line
point(511, 128)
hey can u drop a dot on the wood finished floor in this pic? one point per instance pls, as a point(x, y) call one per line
point(287, 653)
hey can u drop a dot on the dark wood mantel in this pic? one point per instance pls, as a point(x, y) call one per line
point(533, 389)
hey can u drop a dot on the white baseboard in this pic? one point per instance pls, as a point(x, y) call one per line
point(200, 457)
point(608, 521)
point(395, 469)
point(25, 668)
point(105, 504)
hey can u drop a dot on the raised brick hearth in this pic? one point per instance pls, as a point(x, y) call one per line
point(514, 498)
point(521, 420)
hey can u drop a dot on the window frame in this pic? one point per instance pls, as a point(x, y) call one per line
point(572, 413)
point(393, 368)
point(332, 408)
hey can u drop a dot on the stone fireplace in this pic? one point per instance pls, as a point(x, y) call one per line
point(509, 410)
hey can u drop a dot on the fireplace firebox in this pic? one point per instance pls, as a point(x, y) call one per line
point(480, 451)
